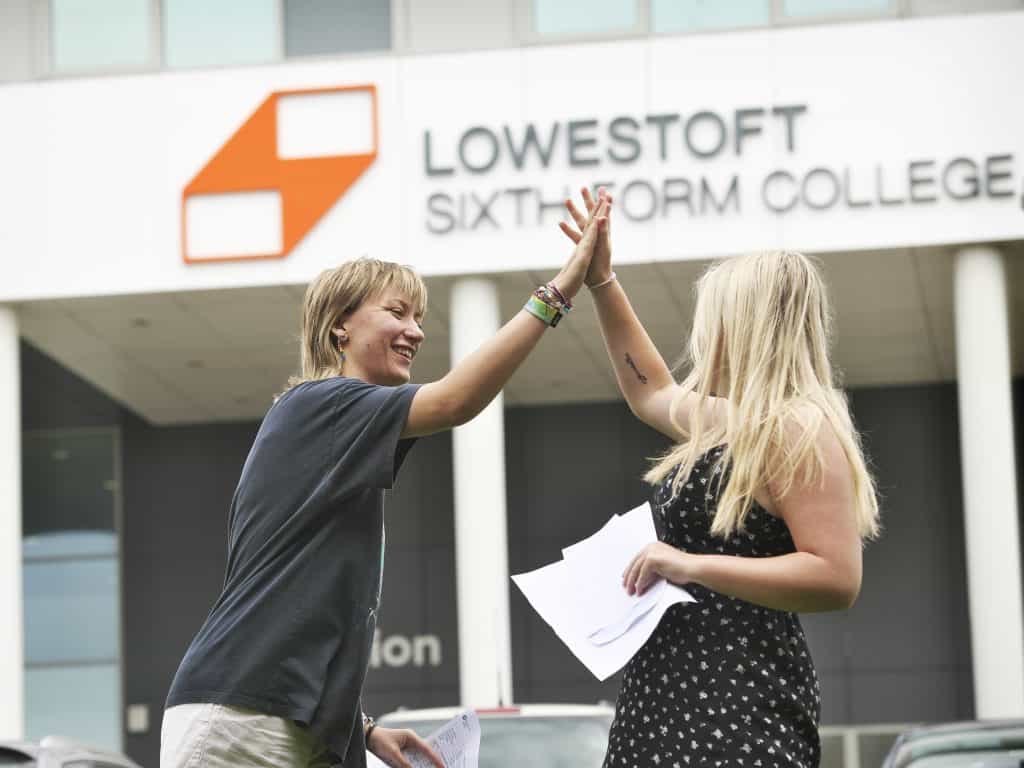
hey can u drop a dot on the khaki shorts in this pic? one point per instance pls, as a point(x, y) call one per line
point(216, 736)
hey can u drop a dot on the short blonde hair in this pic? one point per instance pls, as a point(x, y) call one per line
point(337, 293)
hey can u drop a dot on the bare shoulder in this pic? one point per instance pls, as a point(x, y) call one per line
point(810, 435)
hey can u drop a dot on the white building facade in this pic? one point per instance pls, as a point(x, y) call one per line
point(176, 174)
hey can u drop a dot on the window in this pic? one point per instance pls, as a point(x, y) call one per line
point(100, 35)
point(336, 26)
point(198, 33)
point(816, 8)
point(72, 590)
point(570, 18)
point(566, 19)
point(696, 15)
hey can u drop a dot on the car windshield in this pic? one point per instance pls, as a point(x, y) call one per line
point(540, 742)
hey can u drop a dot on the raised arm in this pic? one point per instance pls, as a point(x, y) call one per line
point(642, 374)
point(643, 377)
point(475, 381)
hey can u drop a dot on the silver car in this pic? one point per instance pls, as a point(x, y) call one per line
point(992, 744)
point(538, 735)
point(57, 752)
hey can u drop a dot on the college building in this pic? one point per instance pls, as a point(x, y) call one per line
point(175, 172)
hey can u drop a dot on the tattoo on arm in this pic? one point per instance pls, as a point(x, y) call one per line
point(631, 364)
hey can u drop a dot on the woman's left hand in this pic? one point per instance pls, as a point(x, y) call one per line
point(657, 560)
point(389, 743)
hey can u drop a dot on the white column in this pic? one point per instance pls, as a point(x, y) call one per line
point(12, 697)
point(989, 482)
point(481, 547)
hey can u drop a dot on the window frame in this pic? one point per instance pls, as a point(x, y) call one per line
point(898, 9)
point(45, 45)
point(523, 33)
point(772, 7)
point(117, 503)
point(398, 11)
point(778, 19)
point(529, 36)
point(278, 57)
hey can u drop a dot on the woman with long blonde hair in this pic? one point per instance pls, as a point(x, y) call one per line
point(761, 508)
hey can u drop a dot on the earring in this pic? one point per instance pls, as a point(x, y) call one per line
point(341, 353)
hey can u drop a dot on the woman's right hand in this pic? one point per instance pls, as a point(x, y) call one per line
point(577, 270)
point(601, 264)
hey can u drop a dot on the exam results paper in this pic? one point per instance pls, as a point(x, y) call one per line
point(457, 742)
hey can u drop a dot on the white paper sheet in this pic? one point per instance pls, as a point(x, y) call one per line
point(614, 631)
point(596, 567)
point(552, 593)
point(457, 743)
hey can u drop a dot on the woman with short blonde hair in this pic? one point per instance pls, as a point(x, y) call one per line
point(761, 507)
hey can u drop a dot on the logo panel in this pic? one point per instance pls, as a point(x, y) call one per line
point(281, 171)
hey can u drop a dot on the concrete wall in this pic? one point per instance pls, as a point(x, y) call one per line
point(22, 39)
point(902, 653)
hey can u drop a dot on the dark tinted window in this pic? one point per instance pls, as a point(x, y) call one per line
point(318, 27)
point(72, 586)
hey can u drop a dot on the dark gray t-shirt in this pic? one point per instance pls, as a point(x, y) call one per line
point(290, 634)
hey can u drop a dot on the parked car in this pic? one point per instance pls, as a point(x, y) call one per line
point(985, 744)
point(57, 752)
point(538, 735)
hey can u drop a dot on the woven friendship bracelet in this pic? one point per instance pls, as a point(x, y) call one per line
point(543, 311)
point(566, 304)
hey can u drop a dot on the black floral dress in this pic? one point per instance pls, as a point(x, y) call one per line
point(721, 682)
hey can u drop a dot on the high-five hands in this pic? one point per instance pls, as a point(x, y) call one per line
point(601, 263)
point(571, 278)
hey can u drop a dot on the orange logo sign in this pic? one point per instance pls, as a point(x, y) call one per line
point(294, 191)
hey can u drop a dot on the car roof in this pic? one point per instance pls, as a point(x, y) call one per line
point(25, 747)
point(964, 736)
point(65, 748)
point(518, 710)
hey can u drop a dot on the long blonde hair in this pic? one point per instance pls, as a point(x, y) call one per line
point(760, 341)
point(337, 293)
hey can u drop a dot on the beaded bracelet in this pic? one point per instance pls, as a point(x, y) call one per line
point(552, 298)
point(546, 313)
